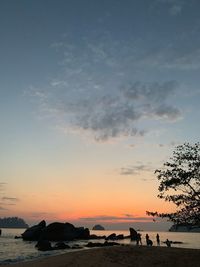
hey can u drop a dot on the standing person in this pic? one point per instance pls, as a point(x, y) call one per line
point(139, 239)
point(147, 239)
point(158, 239)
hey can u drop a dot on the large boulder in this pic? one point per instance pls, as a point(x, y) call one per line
point(82, 233)
point(61, 245)
point(43, 245)
point(33, 233)
point(64, 231)
point(111, 237)
point(56, 231)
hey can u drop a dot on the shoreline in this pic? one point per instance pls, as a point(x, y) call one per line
point(127, 255)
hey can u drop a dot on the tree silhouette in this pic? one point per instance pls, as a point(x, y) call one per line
point(180, 183)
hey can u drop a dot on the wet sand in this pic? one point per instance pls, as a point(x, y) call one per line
point(133, 256)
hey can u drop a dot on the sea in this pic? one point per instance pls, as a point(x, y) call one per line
point(15, 250)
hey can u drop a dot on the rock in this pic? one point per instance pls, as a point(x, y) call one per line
point(133, 234)
point(105, 244)
point(94, 244)
point(58, 231)
point(55, 232)
point(82, 233)
point(18, 237)
point(97, 237)
point(98, 227)
point(173, 242)
point(120, 237)
point(76, 246)
point(33, 233)
point(111, 237)
point(61, 245)
point(177, 242)
point(43, 245)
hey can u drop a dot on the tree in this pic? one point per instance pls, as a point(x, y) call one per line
point(180, 183)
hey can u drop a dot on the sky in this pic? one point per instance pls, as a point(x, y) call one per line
point(94, 96)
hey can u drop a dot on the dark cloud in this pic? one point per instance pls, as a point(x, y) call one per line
point(110, 113)
point(2, 208)
point(134, 170)
point(128, 215)
point(11, 199)
point(96, 92)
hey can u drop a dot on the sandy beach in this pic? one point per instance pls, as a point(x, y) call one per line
point(120, 256)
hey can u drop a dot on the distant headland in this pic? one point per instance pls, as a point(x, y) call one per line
point(13, 222)
point(98, 227)
point(185, 228)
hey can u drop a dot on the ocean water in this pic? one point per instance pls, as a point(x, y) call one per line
point(15, 250)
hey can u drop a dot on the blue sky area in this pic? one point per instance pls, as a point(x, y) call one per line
point(94, 96)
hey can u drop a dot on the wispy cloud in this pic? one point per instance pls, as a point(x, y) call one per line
point(174, 7)
point(108, 113)
point(106, 218)
point(136, 169)
point(96, 92)
point(10, 199)
point(2, 208)
point(42, 214)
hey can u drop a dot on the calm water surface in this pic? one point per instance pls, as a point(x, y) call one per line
point(14, 250)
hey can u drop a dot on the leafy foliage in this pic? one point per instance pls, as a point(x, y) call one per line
point(180, 183)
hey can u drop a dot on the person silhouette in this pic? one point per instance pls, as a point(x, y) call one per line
point(139, 239)
point(168, 243)
point(147, 239)
point(158, 239)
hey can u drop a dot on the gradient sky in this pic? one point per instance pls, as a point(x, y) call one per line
point(94, 96)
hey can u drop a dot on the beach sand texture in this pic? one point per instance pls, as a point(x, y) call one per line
point(121, 256)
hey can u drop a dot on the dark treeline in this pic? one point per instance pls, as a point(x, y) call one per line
point(12, 222)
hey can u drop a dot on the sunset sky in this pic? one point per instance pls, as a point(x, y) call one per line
point(94, 96)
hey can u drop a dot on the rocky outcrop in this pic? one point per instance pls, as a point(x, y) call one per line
point(97, 237)
point(55, 232)
point(133, 234)
point(115, 237)
point(58, 231)
point(120, 237)
point(13, 222)
point(33, 233)
point(111, 237)
point(98, 227)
